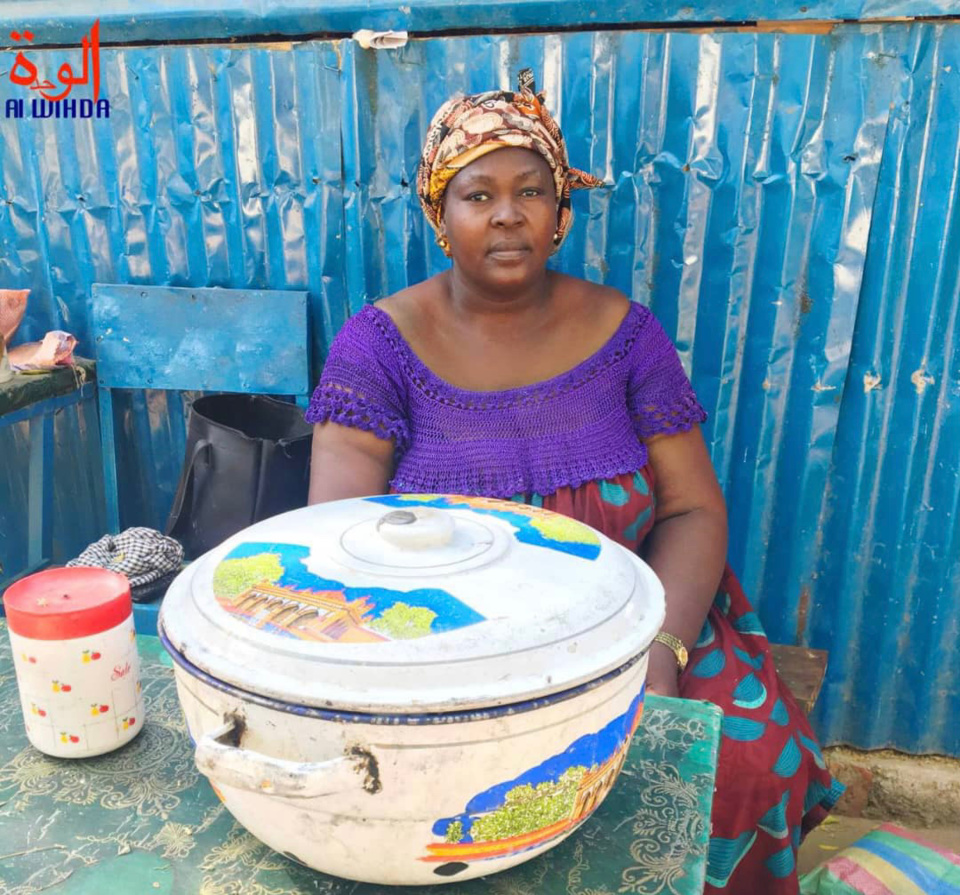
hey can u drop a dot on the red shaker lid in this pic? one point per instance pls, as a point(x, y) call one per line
point(60, 604)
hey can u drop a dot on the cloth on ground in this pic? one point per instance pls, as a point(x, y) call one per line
point(887, 861)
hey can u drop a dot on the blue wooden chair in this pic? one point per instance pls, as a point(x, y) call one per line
point(214, 340)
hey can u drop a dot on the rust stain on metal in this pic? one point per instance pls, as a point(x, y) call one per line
point(802, 26)
point(239, 728)
point(366, 765)
point(870, 382)
point(804, 304)
point(803, 611)
point(921, 378)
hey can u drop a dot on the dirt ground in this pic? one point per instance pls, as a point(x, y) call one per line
point(838, 832)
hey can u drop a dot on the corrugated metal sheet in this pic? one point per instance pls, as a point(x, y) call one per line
point(784, 202)
point(886, 582)
point(59, 22)
point(217, 167)
point(79, 513)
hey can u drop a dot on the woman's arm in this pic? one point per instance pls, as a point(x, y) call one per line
point(348, 462)
point(687, 547)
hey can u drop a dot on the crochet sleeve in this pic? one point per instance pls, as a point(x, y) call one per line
point(361, 385)
point(660, 397)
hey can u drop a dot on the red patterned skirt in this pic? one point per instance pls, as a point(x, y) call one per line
point(772, 783)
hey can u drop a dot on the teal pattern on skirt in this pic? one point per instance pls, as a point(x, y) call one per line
point(772, 782)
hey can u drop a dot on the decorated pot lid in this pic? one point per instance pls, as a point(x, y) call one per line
point(413, 603)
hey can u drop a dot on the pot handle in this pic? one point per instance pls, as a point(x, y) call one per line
point(220, 757)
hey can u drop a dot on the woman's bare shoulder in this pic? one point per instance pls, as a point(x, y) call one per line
point(409, 306)
point(603, 307)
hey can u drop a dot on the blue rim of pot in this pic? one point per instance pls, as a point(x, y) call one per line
point(396, 719)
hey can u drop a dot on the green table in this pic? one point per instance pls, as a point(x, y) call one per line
point(143, 820)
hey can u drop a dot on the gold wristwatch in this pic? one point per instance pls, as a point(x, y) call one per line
point(675, 644)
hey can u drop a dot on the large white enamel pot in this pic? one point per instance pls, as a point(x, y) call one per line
point(412, 689)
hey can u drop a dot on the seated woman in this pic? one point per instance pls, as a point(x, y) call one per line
point(500, 378)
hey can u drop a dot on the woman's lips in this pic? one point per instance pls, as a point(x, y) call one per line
point(509, 252)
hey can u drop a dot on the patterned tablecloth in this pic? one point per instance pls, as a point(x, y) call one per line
point(143, 820)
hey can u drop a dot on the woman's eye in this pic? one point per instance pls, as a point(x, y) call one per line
point(531, 191)
point(476, 197)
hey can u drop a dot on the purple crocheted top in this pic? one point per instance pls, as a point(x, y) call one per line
point(583, 425)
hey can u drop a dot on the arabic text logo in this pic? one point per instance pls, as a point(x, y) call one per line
point(52, 102)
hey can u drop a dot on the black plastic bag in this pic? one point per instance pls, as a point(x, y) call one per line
point(247, 458)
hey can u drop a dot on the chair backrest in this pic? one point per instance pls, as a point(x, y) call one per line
point(174, 338)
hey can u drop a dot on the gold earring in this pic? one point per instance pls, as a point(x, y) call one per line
point(443, 242)
point(557, 237)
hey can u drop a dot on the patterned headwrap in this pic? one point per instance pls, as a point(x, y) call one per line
point(468, 127)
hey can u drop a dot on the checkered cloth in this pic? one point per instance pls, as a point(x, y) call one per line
point(142, 554)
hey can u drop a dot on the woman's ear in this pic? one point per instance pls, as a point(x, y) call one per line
point(442, 240)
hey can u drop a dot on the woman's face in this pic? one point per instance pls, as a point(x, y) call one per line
point(500, 218)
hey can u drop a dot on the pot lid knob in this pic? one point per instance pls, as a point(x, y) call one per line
point(421, 528)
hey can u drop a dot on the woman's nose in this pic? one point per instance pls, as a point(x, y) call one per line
point(506, 213)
